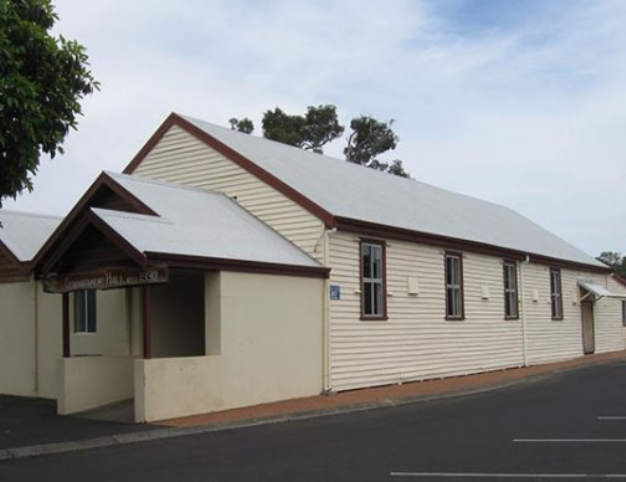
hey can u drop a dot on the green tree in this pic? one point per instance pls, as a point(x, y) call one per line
point(319, 126)
point(311, 131)
point(42, 80)
point(370, 138)
point(614, 260)
point(244, 125)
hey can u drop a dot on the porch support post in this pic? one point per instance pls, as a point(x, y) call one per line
point(147, 322)
point(66, 325)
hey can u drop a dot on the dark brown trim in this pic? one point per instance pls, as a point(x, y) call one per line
point(146, 298)
point(182, 261)
point(60, 232)
point(21, 270)
point(365, 228)
point(244, 162)
point(383, 245)
point(89, 218)
point(4, 250)
point(513, 263)
point(16, 278)
point(564, 264)
point(459, 255)
point(557, 271)
point(65, 306)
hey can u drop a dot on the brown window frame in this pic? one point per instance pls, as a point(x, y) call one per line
point(623, 312)
point(556, 295)
point(461, 315)
point(508, 263)
point(383, 280)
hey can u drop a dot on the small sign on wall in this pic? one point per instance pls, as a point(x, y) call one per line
point(335, 292)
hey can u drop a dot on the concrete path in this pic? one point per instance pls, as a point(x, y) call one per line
point(50, 434)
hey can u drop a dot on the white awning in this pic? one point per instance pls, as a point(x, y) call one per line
point(597, 289)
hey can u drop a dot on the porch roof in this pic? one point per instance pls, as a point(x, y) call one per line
point(199, 223)
point(597, 289)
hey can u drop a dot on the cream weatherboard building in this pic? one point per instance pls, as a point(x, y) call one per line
point(223, 270)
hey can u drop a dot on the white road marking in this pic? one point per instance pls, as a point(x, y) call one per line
point(572, 440)
point(507, 476)
point(614, 417)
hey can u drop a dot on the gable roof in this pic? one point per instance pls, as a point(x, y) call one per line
point(181, 225)
point(197, 222)
point(23, 234)
point(347, 192)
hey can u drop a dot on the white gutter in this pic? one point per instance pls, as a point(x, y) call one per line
point(523, 264)
point(326, 308)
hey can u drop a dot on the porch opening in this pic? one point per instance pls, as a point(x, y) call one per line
point(178, 322)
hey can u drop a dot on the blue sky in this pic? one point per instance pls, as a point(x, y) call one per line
point(519, 102)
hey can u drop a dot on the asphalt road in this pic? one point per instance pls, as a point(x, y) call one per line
point(568, 426)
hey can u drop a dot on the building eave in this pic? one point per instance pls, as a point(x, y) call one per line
point(222, 264)
point(365, 228)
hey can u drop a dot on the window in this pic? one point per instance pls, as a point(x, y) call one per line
point(85, 311)
point(510, 291)
point(623, 312)
point(454, 287)
point(373, 298)
point(556, 294)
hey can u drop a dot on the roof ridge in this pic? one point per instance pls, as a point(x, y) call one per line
point(128, 215)
point(157, 182)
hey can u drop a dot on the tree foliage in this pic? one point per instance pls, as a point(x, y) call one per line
point(244, 125)
point(320, 125)
point(311, 131)
point(42, 80)
point(614, 260)
point(368, 139)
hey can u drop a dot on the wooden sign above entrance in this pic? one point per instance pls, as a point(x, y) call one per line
point(106, 279)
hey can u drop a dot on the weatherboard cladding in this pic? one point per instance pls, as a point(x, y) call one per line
point(550, 340)
point(416, 342)
point(181, 158)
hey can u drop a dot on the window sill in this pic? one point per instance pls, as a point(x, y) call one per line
point(558, 319)
point(374, 318)
point(455, 318)
point(511, 318)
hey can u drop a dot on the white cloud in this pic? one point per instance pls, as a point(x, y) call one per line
point(529, 113)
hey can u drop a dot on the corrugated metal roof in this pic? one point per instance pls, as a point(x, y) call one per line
point(197, 222)
point(25, 233)
point(351, 191)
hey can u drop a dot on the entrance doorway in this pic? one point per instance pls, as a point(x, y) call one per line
point(588, 327)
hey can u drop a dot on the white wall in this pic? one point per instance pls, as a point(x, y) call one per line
point(17, 339)
point(112, 337)
point(271, 349)
point(91, 382)
point(50, 341)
